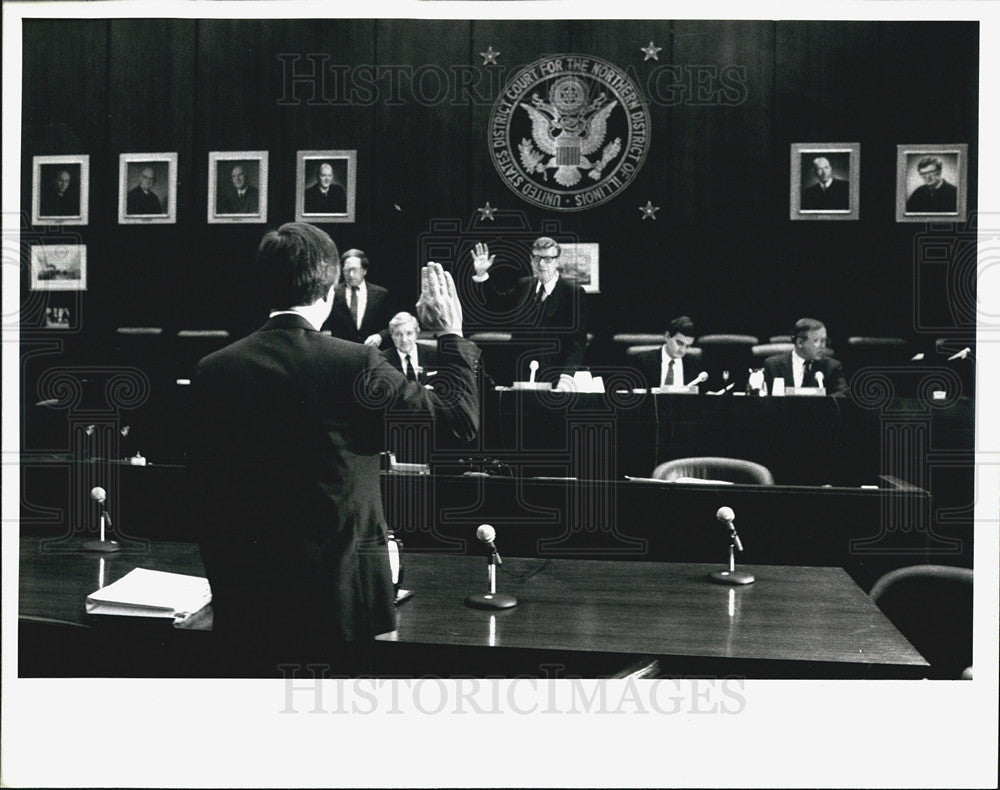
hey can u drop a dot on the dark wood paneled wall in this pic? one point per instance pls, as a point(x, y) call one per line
point(722, 247)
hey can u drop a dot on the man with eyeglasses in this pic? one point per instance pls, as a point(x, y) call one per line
point(545, 310)
point(935, 195)
point(809, 356)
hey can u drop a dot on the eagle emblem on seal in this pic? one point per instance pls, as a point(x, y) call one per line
point(568, 130)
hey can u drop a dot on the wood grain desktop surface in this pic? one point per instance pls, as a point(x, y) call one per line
point(790, 614)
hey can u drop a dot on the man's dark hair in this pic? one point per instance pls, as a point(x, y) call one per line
point(804, 326)
point(355, 253)
point(683, 325)
point(930, 161)
point(298, 264)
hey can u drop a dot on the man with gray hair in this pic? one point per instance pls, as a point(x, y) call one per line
point(808, 362)
point(545, 310)
point(405, 355)
point(828, 193)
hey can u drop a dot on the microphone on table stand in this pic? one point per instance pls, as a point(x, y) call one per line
point(703, 376)
point(99, 495)
point(818, 375)
point(731, 575)
point(491, 599)
point(533, 368)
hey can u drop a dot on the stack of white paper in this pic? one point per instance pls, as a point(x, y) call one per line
point(145, 593)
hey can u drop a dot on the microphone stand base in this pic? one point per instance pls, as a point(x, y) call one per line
point(491, 601)
point(101, 545)
point(731, 577)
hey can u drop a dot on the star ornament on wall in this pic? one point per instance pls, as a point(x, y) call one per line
point(652, 51)
point(489, 56)
point(648, 211)
point(487, 212)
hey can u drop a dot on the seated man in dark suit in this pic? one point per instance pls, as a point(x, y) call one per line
point(799, 367)
point(544, 310)
point(666, 365)
point(829, 192)
point(325, 196)
point(413, 361)
point(288, 425)
point(361, 309)
point(141, 199)
point(241, 197)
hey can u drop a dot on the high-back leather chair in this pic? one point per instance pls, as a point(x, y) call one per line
point(931, 605)
point(714, 469)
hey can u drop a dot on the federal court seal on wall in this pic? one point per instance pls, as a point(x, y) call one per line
point(569, 132)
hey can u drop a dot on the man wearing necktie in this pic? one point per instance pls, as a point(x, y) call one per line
point(242, 197)
point(412, 360)
point(808, 357)
point(669, 364)
point(828, 193)
point(545, 312)
point(361, 309)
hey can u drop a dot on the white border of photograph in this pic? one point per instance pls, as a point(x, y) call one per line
point(905, 185)
point(795, 211)
point(168, 218)
point(350, 188)
point(217, 217)
point(84, 186)
point(58, 256)
point(574, 251)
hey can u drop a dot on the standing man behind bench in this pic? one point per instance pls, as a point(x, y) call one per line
point(288, 426)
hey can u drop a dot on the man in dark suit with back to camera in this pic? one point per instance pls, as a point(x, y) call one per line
point(668, 365)
point(141, 199)
point(325, 196)
point(288, 424)
point(361, 309)
point(935, 195)
point(828, 193)
point(799, 366)
point(544, 309)
point(410, 359)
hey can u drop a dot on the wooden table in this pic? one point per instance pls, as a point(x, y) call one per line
point(586, 616)
point(792, 622)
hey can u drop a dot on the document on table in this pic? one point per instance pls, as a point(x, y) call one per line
point(147, 593)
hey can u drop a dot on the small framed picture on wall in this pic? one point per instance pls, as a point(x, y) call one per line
point(59, 267)
point(931, 182)
point(326, 183)
point(825, 181)
point(581, 263)
point(147, 189)
point(237, 186)
point(60, 190)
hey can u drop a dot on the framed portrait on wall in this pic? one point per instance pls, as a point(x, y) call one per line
point(581, 263)
point(60, 190)
point(326, 183)
point(825, 181)
point(237, 186)
point(931, 182)
point(58, 317)
point(147, 189)
point(59, 267)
